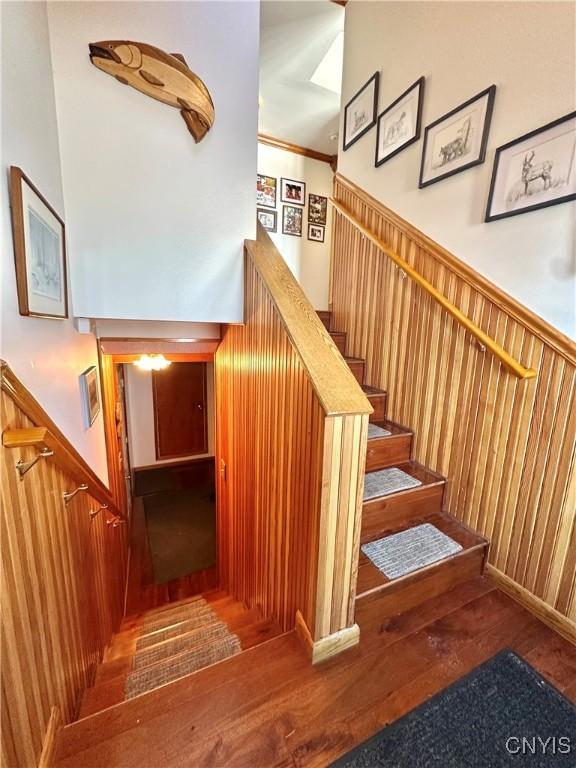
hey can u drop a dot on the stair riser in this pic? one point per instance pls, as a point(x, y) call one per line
point(381, 514)
point(358, 371)
point(340, 340)
point(403, 594)
point(326, 318)
point(388, 451)
point(378, 402)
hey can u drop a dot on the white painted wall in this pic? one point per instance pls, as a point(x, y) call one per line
point(308, 260)
point(140, 417)
point(528, 50)
point(47, 355)
point(157, 222)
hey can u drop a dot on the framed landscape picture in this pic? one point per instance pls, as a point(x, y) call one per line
point(316, 233)
point(39, 250)
point(457, 140)
point(267, 219)
point(534, 171)
point(400, 123)
point(90, 395)
point(360, 112)
point(317, 209)
point(292, 191)
point(265, 191)
point(292, 220)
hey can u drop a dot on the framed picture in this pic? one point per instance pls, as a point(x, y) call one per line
point(292, 220)
point(292, 191)
point(400, 123)
point(360, 112)
point(267, 219)
point(535, 170)
point(316, 232)
point(265, 191)
point(39, 250)
point(90, 395)
point(458, 140)
point(317, 209)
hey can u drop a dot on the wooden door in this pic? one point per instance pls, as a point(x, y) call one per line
point(122, 432)
point(180, 423)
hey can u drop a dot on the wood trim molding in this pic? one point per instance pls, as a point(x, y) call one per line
point(535, 324)
point(550, 616)
point(313, 154)
point(338, 391)
point(179, 350)
point(65, 455)
point(55, 724)
point(329, 646)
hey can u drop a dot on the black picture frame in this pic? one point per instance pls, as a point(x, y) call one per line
point(285, 212)
point(488, 93)
point(497, 158)
point(420, 85)
point(317, 200)
point(322, 227)
point(290, 200)
point(274, 186)
point(268, 212)
point(375, 79)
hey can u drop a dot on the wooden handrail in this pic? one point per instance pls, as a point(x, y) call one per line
point(334, 384)
point(485, 341)
point(65, 455)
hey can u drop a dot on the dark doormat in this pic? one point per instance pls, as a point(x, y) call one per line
point(181, 531)
point(501, 715)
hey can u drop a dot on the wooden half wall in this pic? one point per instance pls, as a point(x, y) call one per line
point(507, 446)
point(291, 442)
point(63, 578)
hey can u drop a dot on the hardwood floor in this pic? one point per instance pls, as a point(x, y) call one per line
point(142, 593)
point(269, 707)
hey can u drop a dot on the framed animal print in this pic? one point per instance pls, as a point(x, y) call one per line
point(360, 112)
point(457, 141)
point(267, 219)
point(292, 220)
point(316, 233)
point(317, 209)
point(293, 192)
point(534, 171)
point(265, 191)
point(400, 123)
point(39, 250)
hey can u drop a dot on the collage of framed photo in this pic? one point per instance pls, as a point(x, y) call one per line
point(293, 198)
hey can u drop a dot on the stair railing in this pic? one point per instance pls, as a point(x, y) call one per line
point(484, 341)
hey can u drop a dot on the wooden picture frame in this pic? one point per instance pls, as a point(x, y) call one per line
point(268, 219)
point(39, 236)
point(266, 190)
point(292, 217)
point(90, 395)
point(316, 232)
point(457, 140)
point(400, 124)
point(292, 192)
point(360, 112)
point(531, 167)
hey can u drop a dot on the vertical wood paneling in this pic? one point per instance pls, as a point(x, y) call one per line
point(62, 594)
point(290, 465)
point(507, 446)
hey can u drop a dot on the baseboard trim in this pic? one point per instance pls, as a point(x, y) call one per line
point(550, 616)
point(326, 647)
point(49, 744)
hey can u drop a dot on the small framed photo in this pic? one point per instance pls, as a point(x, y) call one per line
point(265, 191)
point(535, 170)
point(39, 250)
point(400, 123)
point(90, 395)
point(457, 140)
point(292, 191)
point(316, 233)
point(360, 112)
point(292, 220)
point(317, 209)
point(267, 219)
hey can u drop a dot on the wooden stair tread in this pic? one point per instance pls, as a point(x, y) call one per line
point(413, 468)
point(393, 427)
point(371, 579)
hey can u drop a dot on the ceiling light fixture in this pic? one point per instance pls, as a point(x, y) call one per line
point(152, 362)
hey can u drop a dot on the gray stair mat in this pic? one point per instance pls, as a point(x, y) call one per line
point(386, 481)
point(375, 431)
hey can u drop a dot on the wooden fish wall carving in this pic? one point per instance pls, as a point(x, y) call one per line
point(163, 76)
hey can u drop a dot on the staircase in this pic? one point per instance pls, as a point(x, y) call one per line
point(180, 639)
point(417, 501)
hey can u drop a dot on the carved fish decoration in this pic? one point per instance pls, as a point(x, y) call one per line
point(163, 76)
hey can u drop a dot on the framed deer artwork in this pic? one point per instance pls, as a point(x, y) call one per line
point(534, 171)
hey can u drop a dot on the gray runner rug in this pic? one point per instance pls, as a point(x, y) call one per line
point(386, 481)
point(410, 550)
point(375, 431)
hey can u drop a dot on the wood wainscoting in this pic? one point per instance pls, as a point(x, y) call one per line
point(291, 444)
point(63, 582)
point(507, 446)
